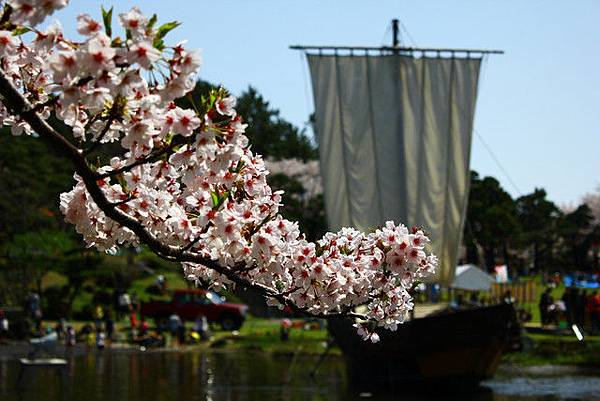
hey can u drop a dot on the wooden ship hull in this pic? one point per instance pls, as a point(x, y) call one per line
point(454, 349)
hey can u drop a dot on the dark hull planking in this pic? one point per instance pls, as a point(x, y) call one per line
point(457, 349)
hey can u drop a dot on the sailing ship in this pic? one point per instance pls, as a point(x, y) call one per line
point(394, 127)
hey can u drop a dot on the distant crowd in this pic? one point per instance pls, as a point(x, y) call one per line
point(102, 332)
point(576, 306)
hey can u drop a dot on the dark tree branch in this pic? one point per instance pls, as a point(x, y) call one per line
point(151, 158)
point(98, 141)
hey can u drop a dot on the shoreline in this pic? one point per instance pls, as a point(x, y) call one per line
point(511, 369)
point(15, 350)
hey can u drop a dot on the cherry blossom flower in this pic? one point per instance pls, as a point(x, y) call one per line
point(86, 25)
point(134, 21)
point(226, 106)
point(99, 55)
point(34, 11)
point(144, 54)
point(8, 43)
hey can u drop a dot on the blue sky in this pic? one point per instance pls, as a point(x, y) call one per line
point(538, 105)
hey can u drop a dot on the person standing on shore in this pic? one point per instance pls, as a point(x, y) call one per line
point(70, 336)
point(124, 306)
point(201, 327)
point(109, 326)
point(174, 326)
point(545, 302)
point(594, 308)
point(4, 327)
point(98, 317)
point(570, 297)
point(580, 307)
point(133, 324)
point(34, 310)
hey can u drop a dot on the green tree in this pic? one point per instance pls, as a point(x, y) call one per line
point(491, 221)
point(539, 219)
point(310, 214)
point(27, 257)
point(270, 134)
point(31, 178)
point(578, 235)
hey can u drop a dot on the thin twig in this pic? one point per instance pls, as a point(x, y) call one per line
point(98, 141)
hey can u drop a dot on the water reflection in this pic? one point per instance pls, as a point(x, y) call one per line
point(244, 377)
point(548, 388)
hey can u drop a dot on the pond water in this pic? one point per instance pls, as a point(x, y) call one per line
point(244, 376)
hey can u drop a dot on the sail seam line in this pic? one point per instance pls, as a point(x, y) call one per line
point(448, 145)
point(343, 130)
point(422, 122)
point(373, 139)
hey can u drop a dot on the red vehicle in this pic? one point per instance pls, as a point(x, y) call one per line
point(189, 304)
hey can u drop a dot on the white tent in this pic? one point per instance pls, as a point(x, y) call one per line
point(472, 278)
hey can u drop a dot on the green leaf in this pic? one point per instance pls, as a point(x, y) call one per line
point(218, 199)
point(222, 198)
point(159, 45)
point(239, 166)
point(162, 31)
point(122, 182)
point(319, 250)
point(117, 42)
point(152, 21)
point(20, 31)
point(107, 18)
point(215, 199)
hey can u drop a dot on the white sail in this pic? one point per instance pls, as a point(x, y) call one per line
point(394, 140)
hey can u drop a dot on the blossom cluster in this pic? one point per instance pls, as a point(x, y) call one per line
point(187, 175)
point(592, 200)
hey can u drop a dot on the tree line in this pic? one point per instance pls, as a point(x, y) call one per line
point(530, 233)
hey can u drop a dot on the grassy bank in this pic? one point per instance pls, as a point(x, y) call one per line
point(539, 349)
point(256, 334)
point(263, 335)
point(554, 349)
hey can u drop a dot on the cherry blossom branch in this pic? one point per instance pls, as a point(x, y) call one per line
point(15, 101)
point(123, 202)
point(200, 195)
point(101, 136)
point(152, 157)
point(50, 102)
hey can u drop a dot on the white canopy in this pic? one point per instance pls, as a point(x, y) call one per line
point(472, 278)
point(395, 141)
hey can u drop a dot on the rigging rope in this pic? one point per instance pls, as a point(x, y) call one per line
point(484, 143)
point(412, 40)
point(307, 98)
point(385, 34)
point(497, 161)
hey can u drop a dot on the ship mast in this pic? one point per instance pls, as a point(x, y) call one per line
point(395, 33)
point(395, 48)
